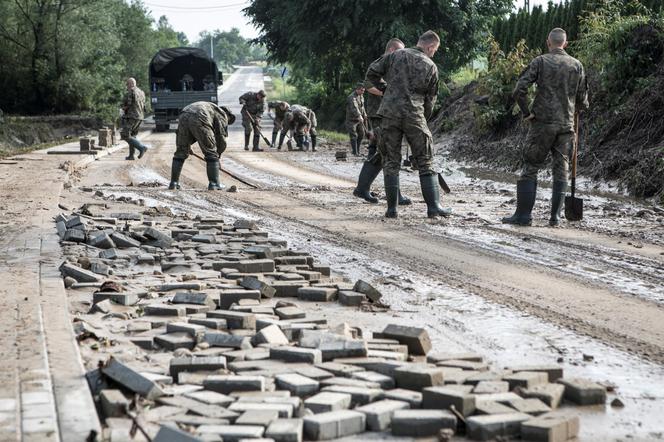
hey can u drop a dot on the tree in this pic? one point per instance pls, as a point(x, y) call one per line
point(230, 48)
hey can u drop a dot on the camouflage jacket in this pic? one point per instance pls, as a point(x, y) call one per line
point(252, 104)
point(214, 117)
point(280, 109)
point(409, 80)
point(298, 116)
point(372, 103)
point(134, 104)
point(562, 88)
point(355, 108)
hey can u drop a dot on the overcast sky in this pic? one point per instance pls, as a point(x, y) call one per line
point(194, 16)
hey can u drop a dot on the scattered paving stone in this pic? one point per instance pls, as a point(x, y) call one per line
point(232, 433)
point(417, 339)
point(193, 298)
point(317, 294)
point(195, 363)
point(228, 383)
point(485, 407)
point(384, 382)
point(295, 354)
point(131, 379)
point(226, 340)
point(164, 310)
point(491, 426)
point(173, 341)
point(170, 434)
point(368, 290)
point(286, 430)
point(550, 429)
point(421, 423)
point(253, 283)
point(417, 377)
point(297, 384)
point(359, 395)
point(531, 406)
point(379, 414)
point(550, 394)
point(327, 401)
point(526, 379)
point(272, 335)
point(257, 417)
point(583, 391)
point(351, 298)
point(442, 398)
point(554, 372)
point(488, 387)
point(79, 274)
point(333, 424)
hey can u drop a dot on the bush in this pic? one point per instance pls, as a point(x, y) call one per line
point(495, 110)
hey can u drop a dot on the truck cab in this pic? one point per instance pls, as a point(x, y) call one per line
point(179, 77)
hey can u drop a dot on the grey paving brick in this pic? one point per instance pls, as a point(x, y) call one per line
point(442, 398)
point(491, 426)
point(421, 423)
point(379, 414)
point(333, 424)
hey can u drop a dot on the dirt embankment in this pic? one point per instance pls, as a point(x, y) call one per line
point(622, 144)
point(19, 134)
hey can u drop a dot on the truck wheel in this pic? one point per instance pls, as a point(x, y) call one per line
point(161, 127)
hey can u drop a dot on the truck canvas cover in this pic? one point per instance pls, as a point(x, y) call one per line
point(169, 66)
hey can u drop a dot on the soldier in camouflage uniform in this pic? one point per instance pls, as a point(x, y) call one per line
point(253, 106)
point(409, 81)
point(280, 110)
point(356, 117)
point(301, 121)
point(561, 91)
point(374, 164)
point(133, 107)
point(207, 124)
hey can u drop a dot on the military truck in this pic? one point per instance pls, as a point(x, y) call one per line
point(179, 77)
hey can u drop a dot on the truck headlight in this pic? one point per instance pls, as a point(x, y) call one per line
point(213, 99)
point(153, 100)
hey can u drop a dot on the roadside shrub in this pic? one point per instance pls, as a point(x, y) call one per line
point(495, 109)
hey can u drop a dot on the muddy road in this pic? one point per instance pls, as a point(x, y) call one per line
point(589, 295)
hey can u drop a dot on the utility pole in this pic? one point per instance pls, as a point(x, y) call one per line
point(526, 5)
point(212, 46)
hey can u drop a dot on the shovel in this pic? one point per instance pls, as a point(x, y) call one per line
point(573, 205)
point(255, 127)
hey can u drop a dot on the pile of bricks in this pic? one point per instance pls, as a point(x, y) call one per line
point(223, 350)
point(87, 144)
point(106, 137)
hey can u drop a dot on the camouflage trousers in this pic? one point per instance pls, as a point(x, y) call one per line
point(417, 135)
point(374, 156)
point(355, 130)
point(192, 130)
point(279, 126)
point(544, 139)
point(129, 128)
point(249, 125)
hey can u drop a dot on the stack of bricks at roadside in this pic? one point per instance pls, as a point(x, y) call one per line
point(105, 137)
point(222, 353)
point(87, 144)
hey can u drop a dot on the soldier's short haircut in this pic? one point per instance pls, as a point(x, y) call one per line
point(558, 36)
point(132, 81)
point(428, 38)
point(393, 43)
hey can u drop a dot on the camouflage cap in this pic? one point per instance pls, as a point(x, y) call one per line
point(360, 85)
point(261, 93)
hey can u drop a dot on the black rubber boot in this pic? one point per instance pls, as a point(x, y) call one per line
point(404, 200)
point(274, 138)
point(299, 141)
point(429, 184)
point(131, 150)
point(526, 190)
point(367, 176)
point(557, 198)
point(257, 140)
point(213, 175)
point(176, 169)
point(392, 194)
point(281, 140)
point(313, 142)
point(141, 149)
point(246, 141)
point(353, 146)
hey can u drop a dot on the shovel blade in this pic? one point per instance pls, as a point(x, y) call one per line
point(573, 208)
point(443, 184)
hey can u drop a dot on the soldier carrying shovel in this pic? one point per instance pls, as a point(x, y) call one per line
point(562, 91)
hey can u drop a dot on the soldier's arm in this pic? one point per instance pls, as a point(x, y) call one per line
point(431, 94)
point(526, 79)
point(220, 134)
point(243, 98)
point(582, 92)
point(352, 108)
point(127, 101)
point(377, 71)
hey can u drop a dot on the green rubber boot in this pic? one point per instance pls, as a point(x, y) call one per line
point(367, 176)
point(557, 198)
point(213, 175)
point(429, 184)
point(391, 194)
point(526, 191)
point(176, 170)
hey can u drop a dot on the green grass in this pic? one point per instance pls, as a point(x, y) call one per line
point(333, 136)
point(281, 90)
point(464, 76)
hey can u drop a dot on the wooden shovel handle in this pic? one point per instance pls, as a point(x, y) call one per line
point(576, 144)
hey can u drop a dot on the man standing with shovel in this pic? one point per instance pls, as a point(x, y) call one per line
point(562, 92)
point(253, 106)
